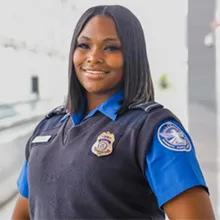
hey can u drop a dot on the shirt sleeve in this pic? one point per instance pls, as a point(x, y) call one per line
point(172, 166)
point(22, 182)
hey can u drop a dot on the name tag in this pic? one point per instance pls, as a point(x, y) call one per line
point(41, 139)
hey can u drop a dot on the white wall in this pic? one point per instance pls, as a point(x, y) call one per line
point(36, 28)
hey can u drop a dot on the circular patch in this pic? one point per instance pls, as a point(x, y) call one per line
point(173, 137)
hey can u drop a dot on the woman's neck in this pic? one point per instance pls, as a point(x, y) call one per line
point(95, 100)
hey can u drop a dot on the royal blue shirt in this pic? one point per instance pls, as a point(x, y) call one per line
point(172, 166)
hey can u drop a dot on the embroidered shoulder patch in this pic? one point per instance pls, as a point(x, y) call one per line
point(173, 137)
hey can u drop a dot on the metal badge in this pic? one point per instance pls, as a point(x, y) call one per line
point(104, 144)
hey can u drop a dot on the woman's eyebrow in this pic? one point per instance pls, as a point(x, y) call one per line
point(105, 40)
point(85, 38)
point(111, 39)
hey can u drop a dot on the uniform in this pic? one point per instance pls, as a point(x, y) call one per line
point(106, 166)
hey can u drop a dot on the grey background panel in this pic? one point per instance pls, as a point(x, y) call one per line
point(202, 91)
point(201, 59)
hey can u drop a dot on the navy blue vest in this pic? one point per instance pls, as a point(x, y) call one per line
point(82, 174)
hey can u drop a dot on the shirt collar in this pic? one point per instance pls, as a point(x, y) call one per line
point(108, 108)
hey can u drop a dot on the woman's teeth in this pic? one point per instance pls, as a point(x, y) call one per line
point(95, 72)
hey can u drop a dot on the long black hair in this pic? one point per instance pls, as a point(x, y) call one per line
point(137, 81)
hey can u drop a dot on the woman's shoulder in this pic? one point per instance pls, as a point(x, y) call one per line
point(146, 106)
point(51, 119)
point(154, 109)
point(60, 110)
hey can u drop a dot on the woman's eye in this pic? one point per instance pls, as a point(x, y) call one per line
point(83, 46)
point(112, 48)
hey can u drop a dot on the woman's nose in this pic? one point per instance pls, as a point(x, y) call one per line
point(95, 56)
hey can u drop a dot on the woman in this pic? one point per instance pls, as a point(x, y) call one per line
point(116, 154)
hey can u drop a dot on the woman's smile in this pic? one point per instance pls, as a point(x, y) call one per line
point(94, 74)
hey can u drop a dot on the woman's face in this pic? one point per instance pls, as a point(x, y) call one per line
point(98, 58)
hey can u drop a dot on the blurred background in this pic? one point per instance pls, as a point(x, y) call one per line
point(183, 43)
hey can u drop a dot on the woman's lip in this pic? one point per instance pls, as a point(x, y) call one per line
point(94, 71)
